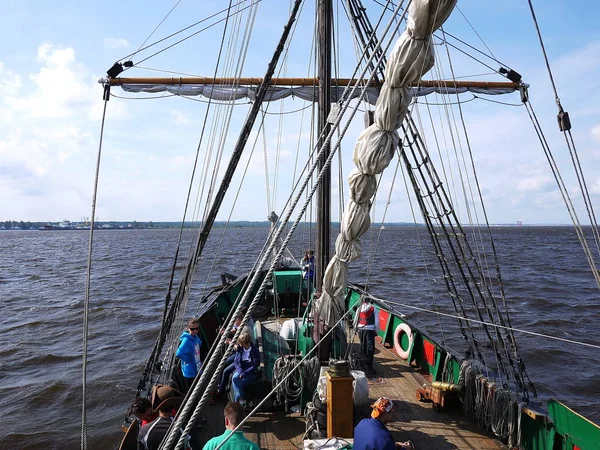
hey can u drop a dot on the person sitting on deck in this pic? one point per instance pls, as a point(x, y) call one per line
point(366, 322)
point(229, 366)
point(372, 434)
point(245, 368)
point(189, 352)
point(152, 434)
point(234, 414)
point(142, 409)
point(248, 328)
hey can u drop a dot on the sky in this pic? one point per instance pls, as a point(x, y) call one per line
point(53, 53)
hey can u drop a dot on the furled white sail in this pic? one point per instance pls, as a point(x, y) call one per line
point(310, 93)
point(411, 57)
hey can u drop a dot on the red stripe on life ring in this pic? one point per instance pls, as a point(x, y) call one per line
point(402, 328)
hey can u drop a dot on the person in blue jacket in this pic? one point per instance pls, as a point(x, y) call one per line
point(372, 434)
point(247, 366)
point(189, 352)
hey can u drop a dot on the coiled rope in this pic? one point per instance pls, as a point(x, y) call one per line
point(494, 407)
point(291, 388)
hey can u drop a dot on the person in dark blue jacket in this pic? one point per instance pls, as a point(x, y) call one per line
point(189, 352)
point(372, 434)
point(247, 366)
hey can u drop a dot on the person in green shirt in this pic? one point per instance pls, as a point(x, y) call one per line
point(234, 414)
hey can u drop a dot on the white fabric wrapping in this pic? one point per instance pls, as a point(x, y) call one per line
point(390, 106)
point(274, 93)
point(347, 251)
point(375, 149)
point(362, 186)
point(356, 221)
point(411, 57)
point(361, 388)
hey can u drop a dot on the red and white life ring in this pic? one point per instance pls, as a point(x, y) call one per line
point(402, 328)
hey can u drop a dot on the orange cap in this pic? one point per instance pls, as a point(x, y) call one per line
point(382, 405)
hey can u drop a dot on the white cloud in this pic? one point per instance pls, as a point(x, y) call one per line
point(538, 183)
point(10, 83)
point(114, 43)
point(595, 133)
point(47, 137)
point(60, 87)
point(180, 117)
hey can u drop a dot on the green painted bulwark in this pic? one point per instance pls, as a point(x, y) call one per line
point(536, 434)
point(573, 431)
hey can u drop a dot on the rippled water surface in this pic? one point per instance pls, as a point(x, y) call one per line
point(42, 281)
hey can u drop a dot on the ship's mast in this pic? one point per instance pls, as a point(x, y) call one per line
point(324, 15)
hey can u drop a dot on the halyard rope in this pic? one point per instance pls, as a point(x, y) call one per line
point(86, 303)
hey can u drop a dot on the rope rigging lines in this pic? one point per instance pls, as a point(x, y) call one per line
point(437, 211)
point(86, 302)
point(565, 127)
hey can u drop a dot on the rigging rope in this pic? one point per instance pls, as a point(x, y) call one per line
point(191, 35)
point(209, 368)
point(500, 284)
point(175, 313)
point(156, 28)
point(563, 190)
point(490, 324)
point(565, 128)
point(257, 407)
point(88, 276)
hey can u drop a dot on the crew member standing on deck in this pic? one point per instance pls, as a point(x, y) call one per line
point(366, 322)
point(189, 352)
point(308, 269)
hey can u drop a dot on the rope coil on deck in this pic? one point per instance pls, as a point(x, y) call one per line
point(495, 408)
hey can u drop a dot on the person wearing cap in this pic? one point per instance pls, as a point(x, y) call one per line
point(189, 352)
point(372, 433)
point(234, 414)
point(165, 400)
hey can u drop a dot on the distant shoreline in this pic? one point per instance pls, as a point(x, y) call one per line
point(13, 225)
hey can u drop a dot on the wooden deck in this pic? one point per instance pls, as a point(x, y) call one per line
point(429, 430)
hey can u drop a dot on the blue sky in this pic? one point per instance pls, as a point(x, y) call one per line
point(52, 54)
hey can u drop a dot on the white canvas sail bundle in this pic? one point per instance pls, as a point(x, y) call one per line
point(411, 57)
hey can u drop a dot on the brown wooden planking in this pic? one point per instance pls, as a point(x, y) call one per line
point(418, 421)
point(414, 420)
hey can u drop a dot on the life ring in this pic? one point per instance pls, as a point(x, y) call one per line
point(402, 328)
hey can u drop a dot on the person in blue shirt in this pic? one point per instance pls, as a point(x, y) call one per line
point(308, 268)
point(189, 352)
point(372, 434)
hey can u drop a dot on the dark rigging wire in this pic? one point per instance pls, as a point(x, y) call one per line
point(156, 28)
point(189, 36)
point(565, 127)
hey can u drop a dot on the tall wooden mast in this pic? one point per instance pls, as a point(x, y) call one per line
point(324, 15)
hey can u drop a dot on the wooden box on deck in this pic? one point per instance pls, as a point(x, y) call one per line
point(340, 407)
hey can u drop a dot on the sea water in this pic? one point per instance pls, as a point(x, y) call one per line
point(548, 285)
